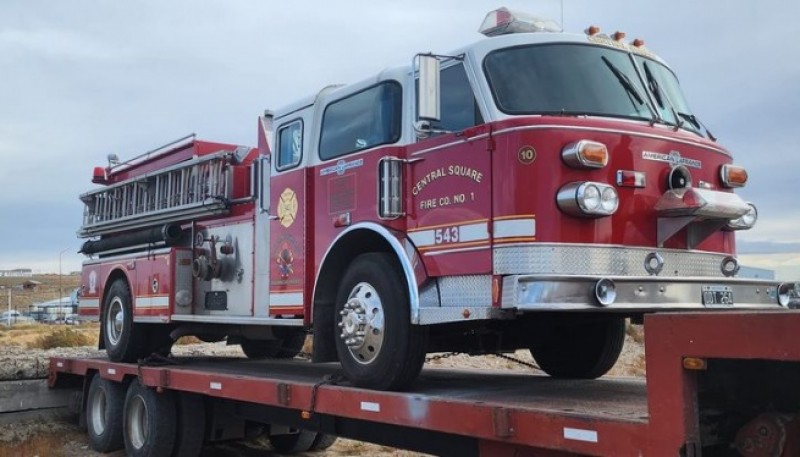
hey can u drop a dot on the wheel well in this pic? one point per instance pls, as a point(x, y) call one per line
point(116, 274)
point(337, 261)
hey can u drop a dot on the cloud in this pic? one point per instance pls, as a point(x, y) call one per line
point(82, 79)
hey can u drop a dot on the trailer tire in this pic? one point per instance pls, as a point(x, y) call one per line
point(282, 348)
point(104, 405)
point(149, 422)
point(376, 343)
point(293, 443)
point(579, 348)
point(190, 425)
point(323, 441)
point(124, 340)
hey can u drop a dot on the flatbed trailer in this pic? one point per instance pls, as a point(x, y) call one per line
point(717, 384)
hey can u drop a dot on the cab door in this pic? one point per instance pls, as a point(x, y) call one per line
point(449, 184)
point(287, 261)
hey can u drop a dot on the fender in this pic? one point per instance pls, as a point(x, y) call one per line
point(406, 253)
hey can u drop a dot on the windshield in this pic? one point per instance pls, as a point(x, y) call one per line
point(582, 80)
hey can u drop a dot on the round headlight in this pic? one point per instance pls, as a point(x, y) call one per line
point(589, 199)
point(609, 200)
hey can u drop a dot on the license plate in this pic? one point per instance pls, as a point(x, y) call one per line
point(717, 296)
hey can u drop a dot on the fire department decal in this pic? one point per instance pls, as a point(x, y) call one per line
point(92, 282)
point(287, 207)
point(285, 259)
point(285, 250)
point(673, 157)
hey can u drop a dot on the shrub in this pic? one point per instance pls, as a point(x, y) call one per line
point(62, 338)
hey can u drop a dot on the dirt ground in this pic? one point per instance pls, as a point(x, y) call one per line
point(64, 439)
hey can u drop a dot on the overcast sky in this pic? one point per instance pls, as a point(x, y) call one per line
point(80, 79)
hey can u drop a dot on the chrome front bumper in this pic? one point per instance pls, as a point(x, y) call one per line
point(642, 293)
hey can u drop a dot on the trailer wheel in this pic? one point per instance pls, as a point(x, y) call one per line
point(323, 441)
point(282, 348)
point(575, 347)
point(377, 345)
point(149, 422)
point(191, 425)
point(293, 443)
point(104, 404)
point(123, 339)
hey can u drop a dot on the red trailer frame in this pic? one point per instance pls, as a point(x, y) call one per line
point(705, 371)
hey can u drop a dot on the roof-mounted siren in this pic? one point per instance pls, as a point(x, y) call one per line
point(503, 21)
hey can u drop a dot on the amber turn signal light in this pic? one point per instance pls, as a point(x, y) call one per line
point(585, 154)
point(694, 363)
point(733, 176)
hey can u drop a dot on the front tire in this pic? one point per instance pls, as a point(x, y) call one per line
point(124, 340)
point(376, 343)
point(578, 347)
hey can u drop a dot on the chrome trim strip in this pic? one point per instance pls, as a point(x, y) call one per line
point(89, 303)
point(400, 252)
point(430, 316)
point(457, 250)
point(285, 299)
point(602, 260)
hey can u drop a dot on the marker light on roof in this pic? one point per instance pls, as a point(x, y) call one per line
point(502, 21)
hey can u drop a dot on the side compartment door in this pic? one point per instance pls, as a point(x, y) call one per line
point(449, 183)
point(287, 261)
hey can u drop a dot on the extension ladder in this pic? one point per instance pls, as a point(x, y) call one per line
point(196, 187)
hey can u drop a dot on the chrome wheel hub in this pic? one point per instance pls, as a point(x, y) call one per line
point(98, 412)
point(137, 422)
point(362, 323)
point(115, 320)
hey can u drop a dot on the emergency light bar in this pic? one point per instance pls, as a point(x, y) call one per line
point(503, 21)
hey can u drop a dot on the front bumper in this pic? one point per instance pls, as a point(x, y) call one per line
point(642, 293)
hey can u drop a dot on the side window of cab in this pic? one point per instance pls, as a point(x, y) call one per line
point(362, 120)
point(459, 109)
point(290, 145)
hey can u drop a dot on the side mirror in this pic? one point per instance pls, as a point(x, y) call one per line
point(428, 107)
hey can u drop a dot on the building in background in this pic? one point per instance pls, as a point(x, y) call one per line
point(18, 273)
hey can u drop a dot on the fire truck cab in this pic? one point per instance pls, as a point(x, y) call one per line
point(531, 190)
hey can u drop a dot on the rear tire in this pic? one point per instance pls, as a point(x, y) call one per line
point(149, 422)
point(104, 405)
point(285, 347)
point(578, 347)
point(190, 425)
point(294, 443)
point(124, 340)
point(376, 343)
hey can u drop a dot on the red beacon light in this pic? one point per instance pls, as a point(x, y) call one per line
point(99, 175)
point(503, 21)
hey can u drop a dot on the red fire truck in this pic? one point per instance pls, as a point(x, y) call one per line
point(530, 190)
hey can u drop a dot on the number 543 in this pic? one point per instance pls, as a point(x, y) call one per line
point(445, 235)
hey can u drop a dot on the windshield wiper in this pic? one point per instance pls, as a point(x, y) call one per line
point(662, 97)
point(696, 122)
point(624, 80)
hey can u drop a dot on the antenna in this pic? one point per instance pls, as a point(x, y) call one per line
point(563, 27)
